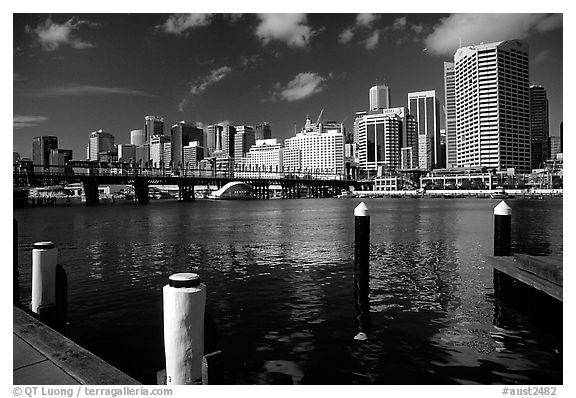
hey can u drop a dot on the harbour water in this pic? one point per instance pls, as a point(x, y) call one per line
point(280, 287)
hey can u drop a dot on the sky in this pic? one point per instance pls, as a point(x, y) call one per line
point(77, 73)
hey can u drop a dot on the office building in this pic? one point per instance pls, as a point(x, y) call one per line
point(262, 131)
point(41, 147)
point(58, 159)
point(157, 151)
point(193, 153)
point(228, 140)
point(137, 137)
point(153, 125)
point(126, 153)
point(450, 113)
point(212, 138)
point(266, 156)
point(539, 127)
point(316, 149)
point(380, 135)
point(379, 97)
point(493, 106)
point(243, 141)
point(425, 107)
point(143, 155)
point(409, 144)
point(555, 146)
point(181, 134)
point(100, 143)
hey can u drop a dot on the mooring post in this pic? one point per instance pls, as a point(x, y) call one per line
point(49, 286)
point(15, 271)
point(502, 229)
point(362, 269)
point(184, 303)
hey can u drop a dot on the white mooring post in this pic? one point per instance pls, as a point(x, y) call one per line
point(184, 305)
point(362, 269)
point(44, 260)
point(502, 229)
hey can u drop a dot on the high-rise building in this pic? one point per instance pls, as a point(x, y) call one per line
point(143, 155)
point(539, 128)
point(126, 152)
point(228, 140)
point(100, 142)
point(493, 106)
point(380, 136)
point(182, 134)
point(193, 153)
point(320, 150)
point(409, 149)
point(554, 145)
point(212, 137)
point(379, 97)
point(157, 151)
point(58, 159)
point(137, 137)
point(41, 147)
point(153, 125)
point(243, 141)
point(266, 155)
point(262, 131)
point(425, 107)
point(450, 113)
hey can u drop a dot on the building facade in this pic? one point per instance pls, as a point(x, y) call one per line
point(193, 153)
point(126, 152)
point(58, 159)
point(181, 134)
point(262, 131)
point(243, 140)
point(539, 126)
point(493, 106)
point(157, 151)
point(450, 113)
point(137, 137)
point(425, 107)
point(266, 156)
point(228, 140)
point(41, 148)
point(379, 97)
point(380, 135)
point(98, 143)
point(153, 125)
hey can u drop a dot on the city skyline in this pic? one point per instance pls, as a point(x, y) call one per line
point(75, 74)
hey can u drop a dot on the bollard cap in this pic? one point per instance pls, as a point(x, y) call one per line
point(502, 209)
point(44, 245)
point(361, 210)
point(184, 279)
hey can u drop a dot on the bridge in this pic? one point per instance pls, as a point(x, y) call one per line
point(292, 184)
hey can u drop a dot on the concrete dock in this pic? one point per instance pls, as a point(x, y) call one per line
point(543, 273)
point(43, 356)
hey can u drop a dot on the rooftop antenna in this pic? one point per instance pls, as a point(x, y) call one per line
point(460, 40)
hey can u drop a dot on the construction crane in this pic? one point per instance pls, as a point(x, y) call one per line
point(319, 116)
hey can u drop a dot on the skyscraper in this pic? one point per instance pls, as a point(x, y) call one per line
point(493, 106)
point(425, 107)
point(213, 136)
point(262, 131)
point(41, 147)
point(379, 97)
point(539, 128)
point(137, 137)
point(153, 125)
point(450, 113)
point(243, 141)
point(182, 134)
point(228, 140)
point(99, 142)
point(158, 158)
point(380, 136)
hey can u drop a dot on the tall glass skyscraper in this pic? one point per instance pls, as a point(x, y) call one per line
point(41, 147)
point(99, 142)
point(539, 127)
point(493, 106)
point(424, 106)
point(153, 125)
point(182, 134)
point(450, 113)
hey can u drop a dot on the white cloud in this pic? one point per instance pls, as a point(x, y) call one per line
point(79, 90)
point(52, 35)
point(399, 23)
point(302, 86)
point(372, 42)
point(366, 20)
point(476, 28)
point(346, 35)
point(206, 81)
point(21, 121)
point(289, 28)
point(180, 23)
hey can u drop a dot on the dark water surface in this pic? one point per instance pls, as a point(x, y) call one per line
point(280, 287)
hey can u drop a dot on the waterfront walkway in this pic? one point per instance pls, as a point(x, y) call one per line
point(43, 356)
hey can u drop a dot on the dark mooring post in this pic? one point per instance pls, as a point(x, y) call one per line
point(502, 229)
point(15, 272)
point(362, 269)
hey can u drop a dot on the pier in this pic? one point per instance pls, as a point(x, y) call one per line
point(43, 356)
